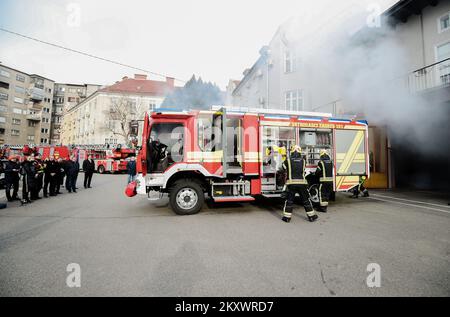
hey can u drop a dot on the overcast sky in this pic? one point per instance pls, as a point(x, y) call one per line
point(216, 39)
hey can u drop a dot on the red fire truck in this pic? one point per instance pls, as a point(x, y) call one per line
point(235, 155)
point(107, 160)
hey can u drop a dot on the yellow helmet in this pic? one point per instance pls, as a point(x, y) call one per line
point(296, 148)
point(323, 152)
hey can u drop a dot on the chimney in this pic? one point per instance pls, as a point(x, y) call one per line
point(140, 77)
point(170, 81)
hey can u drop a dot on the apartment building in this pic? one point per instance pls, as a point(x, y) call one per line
point(25, 107)
point(95, 120)
point(303, 73)
point(65, 97)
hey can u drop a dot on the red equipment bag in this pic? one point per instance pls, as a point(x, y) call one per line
point(130, 191)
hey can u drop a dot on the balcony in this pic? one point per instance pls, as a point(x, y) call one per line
point(35, 106)
point(36, 94)
point(34, 117)
point(434, 76)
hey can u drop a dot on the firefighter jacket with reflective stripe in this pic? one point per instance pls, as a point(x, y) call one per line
point(325, 169)
point(295, 167)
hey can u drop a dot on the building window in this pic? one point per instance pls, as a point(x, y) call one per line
point(443, 53)
point(44, 140)
point(18, 100)
point(20, 78)
point(19, 89)
point(3, 96)
point(44, 131)
point(294, 100)
point(3, 109)
point(2, 120)
point(32, 124)
point(444, 22)
point(30, 138)
point(17, 111)
point(289, 62)
point(15, 132)
point(4, 73)
point(16, 121)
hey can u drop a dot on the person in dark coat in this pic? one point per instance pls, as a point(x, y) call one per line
point(50, 176)
point(39, 170)
point(29, 179)
point(72, 170)
point(131, 169)
point(60, 174)
point(89, 169)
point(12, 176)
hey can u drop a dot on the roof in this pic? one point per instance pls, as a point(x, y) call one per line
point(140, 86)
point(403, 9)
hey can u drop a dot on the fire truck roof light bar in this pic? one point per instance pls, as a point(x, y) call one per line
point(274, 111)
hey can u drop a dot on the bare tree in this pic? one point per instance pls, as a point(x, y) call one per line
point(121, 112)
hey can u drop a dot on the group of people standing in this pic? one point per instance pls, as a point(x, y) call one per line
point(47, 175)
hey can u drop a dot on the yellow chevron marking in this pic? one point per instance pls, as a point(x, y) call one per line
point(350, 155)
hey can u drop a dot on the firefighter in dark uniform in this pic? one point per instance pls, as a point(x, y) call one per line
point(12, 177)
point(294, 165)
point(324, 172)
point(360, 188)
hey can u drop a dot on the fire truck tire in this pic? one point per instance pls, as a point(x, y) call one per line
point(186, 197)
point(101, 169)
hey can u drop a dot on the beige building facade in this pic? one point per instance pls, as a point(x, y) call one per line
point(66, 97)
point(93, 121)
point(25, 107)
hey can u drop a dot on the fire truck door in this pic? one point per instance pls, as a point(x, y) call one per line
point(143, 156)
point(220, 136)
point(350, 158)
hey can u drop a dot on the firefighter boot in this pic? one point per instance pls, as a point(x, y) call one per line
point(286, 219)
point(311, 215)
point(323, 209)
point(365, 193)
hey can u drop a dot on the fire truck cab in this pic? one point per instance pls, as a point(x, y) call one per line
point(235, 155)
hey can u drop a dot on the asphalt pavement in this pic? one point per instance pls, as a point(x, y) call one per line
point(133, 247)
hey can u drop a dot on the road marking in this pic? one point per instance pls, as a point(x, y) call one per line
point(411, 201)
point(411, 205)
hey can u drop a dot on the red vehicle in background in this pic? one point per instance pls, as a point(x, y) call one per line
point(106, 160)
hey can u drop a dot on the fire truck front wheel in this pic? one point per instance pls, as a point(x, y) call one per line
point(186, 197)
point(101, 169)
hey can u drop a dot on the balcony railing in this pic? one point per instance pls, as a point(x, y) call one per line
point(434, 76)
point(34, 117)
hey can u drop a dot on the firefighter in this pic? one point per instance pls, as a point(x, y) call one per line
point(295, 167)
point(324, 172)
point(39, 170)
point(360, 188)
point(28, 179)
point(12, 177)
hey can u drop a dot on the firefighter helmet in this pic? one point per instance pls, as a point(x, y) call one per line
point(323, 152)
point(296, 148)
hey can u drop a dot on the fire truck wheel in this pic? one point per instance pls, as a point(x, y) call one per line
point(101, 169)
point(186, 197)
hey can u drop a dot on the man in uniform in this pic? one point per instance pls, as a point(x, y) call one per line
point(12, 169)
point(324, 172)
point(294, 165)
